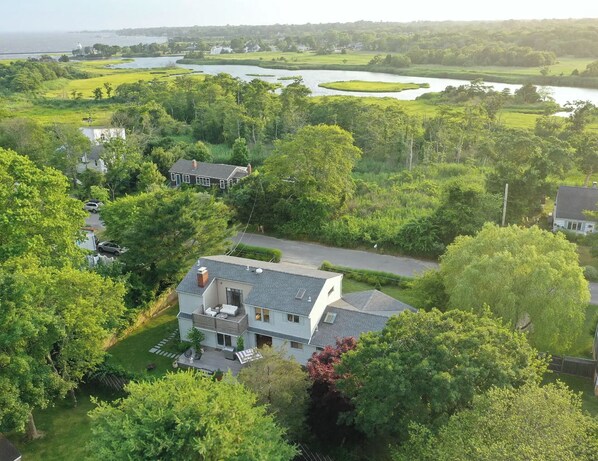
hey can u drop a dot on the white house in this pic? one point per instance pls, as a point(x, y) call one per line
point(98, 136)
point(275, 304)
point(220, 50)
point(570, 206)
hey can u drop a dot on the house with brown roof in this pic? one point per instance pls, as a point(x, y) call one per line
point(206, 174)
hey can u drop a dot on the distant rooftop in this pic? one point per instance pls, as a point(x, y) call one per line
point(572, 201)
point(209, 170)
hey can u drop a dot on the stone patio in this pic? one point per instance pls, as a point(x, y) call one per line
point(211, 361)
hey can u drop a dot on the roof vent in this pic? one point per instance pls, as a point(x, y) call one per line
point(309, 299)
point(247, 269)
point(259, 270)
point(300, 293)
point(330, 317)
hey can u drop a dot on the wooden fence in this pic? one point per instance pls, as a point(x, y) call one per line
point(573, 366)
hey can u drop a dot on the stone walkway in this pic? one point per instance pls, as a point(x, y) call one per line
point(157, 349)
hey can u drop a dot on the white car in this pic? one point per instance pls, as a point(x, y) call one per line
point(94, 207)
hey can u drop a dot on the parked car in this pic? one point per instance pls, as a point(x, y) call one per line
point(93, 206)
point(111, 247)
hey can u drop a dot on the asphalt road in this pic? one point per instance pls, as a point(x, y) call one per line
point(93, 220)
point(312, 254)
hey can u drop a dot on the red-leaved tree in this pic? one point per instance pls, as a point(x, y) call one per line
point(327, 404)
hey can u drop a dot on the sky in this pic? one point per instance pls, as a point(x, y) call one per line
point(70, 15)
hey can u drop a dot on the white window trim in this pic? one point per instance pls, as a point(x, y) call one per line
point(262, 312)
point(223, 184)
point(292, 318)
point(296, 345)
point(187, 178)
point(173, 177)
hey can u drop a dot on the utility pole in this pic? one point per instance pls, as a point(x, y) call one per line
point(504, 206)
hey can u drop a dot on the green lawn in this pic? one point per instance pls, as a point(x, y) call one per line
point(579, 385)
point(402, 294)
point(583, 345)
point(132, 352)
point(66, 428)
point(372, 87)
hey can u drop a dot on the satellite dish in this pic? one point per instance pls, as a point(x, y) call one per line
point(259, 270)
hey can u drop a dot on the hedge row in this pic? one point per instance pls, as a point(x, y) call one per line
point(259, 253)
point(368, 276)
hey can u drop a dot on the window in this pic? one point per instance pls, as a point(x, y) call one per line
point(173, 176)
point(293, 318)
point(262, 315)
point(574, 225)
point(223, 184)
point(187, 178)
point(319, 349)
point(225, 340)
point(203, 181)
point(330, 291)
point(234, 297)
point(296, 345)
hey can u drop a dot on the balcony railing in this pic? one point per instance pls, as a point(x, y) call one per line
point(233, 325)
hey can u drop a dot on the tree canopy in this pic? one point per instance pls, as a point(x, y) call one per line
point(529, 277)
point(280, 383)
point(531, 423)
point(165, 230)
point(424, 367)
point(36, 215)
point(187, 416)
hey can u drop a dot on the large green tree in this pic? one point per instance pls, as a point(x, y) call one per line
point(426, 366)
point(187, 416)
point(529, 277)
point(36, 214)
point(531, 423)
point(165, 230)
point(279, 382)
point(54, 322)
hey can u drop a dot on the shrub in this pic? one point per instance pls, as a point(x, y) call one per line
point(590, 273)
point(259, 253)
point(367, 276)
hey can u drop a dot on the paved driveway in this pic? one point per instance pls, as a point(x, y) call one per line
point(313, 254)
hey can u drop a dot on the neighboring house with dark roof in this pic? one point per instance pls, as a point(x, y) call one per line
point(8, 452)
point(269, 303)
point(206, 174)
point(570, 206)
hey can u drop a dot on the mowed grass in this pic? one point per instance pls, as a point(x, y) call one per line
point(132, 352)
point(372, 87)
point(67, 428)
point(405, 295)
point(577, 384)
point(582, 347)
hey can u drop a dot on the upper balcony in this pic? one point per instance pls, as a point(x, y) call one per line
point(220, 318)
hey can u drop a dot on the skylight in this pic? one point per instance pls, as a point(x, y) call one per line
point(330, 317)
point(300, 293)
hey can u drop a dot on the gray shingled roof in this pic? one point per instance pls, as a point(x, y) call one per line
point(8, 451)
point(208, 170)
point(571, 202)
point(373, 302)
point(275, 288)
point(347, 323)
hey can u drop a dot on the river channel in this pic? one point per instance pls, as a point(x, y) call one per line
point(312, 78)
